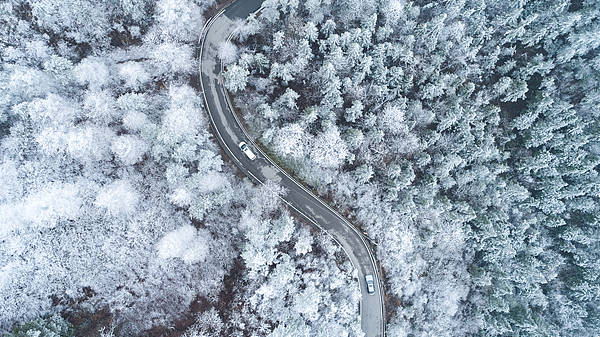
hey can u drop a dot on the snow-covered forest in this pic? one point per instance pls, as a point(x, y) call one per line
point(119, 216)
point(462, 134)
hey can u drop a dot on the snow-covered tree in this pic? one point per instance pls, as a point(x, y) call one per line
point(290, 141)
point(53, 326)
point(186, 243)
point(99, 106)
point(129, 149)
point(134, 74)
point(236, 77)
point(118, 198)
point(171, 58)
point(93, 72)
point(179, 20)
point(82, 21)
point(227, 52)
point(329, 149)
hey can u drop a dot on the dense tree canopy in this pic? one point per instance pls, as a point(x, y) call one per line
point(463, 135)
point(116, 209)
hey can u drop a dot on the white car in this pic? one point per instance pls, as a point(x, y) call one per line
point(244, 147)
point(370, 284)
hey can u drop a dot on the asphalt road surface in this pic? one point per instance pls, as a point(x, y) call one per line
point(230, 133)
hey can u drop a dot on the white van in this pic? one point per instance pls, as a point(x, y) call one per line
point(370, 284)
point(244, 147)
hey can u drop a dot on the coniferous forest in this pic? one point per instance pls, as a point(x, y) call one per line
point(463, 135)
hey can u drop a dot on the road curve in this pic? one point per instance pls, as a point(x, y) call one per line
point(229, 133)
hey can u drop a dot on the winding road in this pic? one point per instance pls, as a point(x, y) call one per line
point(229, 133)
